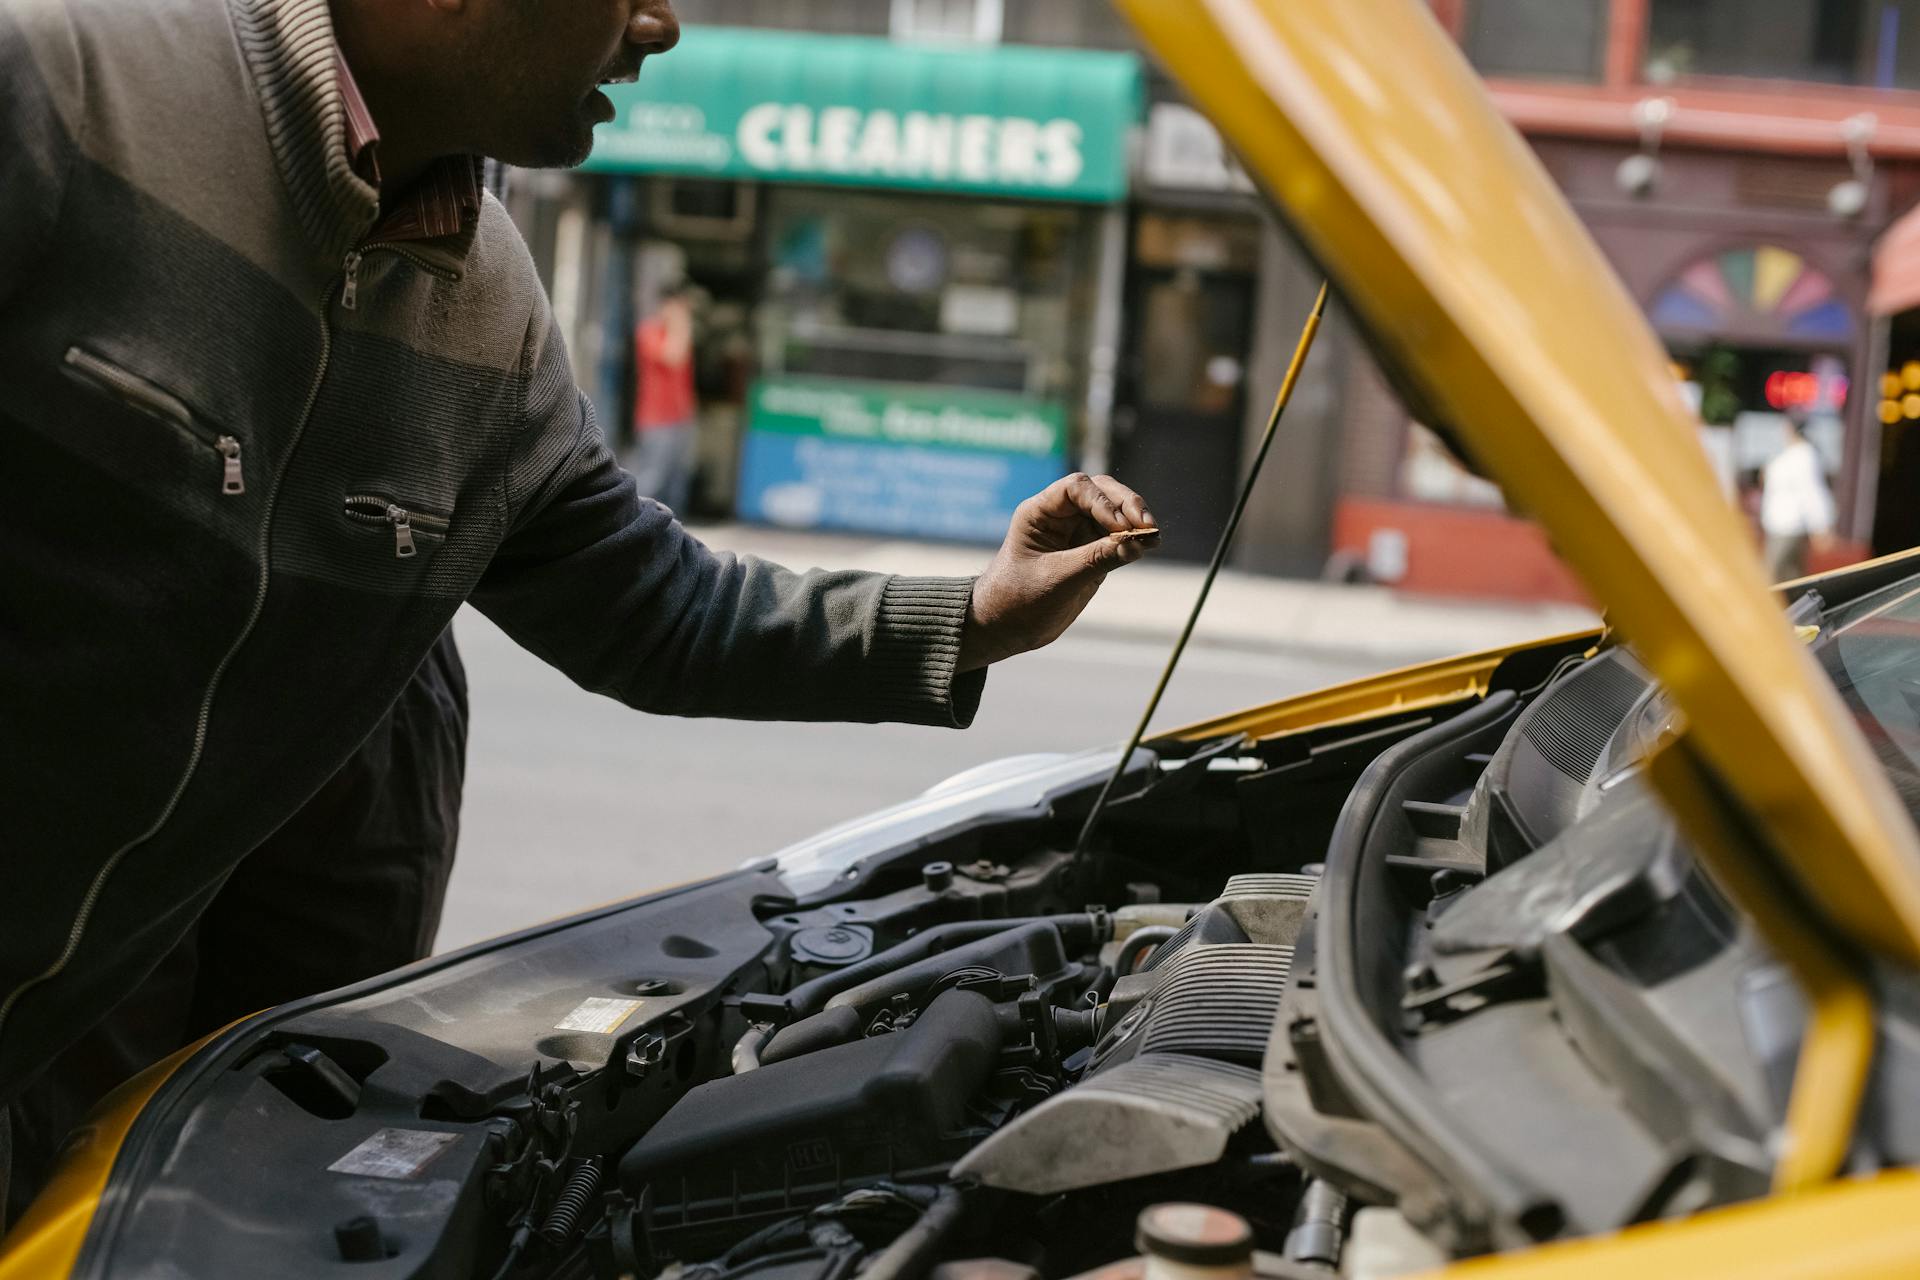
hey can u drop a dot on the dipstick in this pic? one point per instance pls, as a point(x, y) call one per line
point(1280, 400)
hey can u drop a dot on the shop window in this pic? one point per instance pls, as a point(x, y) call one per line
point(1197, 242)
point(918, 289)
point(1078, 24)
point(1555, 39)
point(1896, 518)
point(1430, 473)
point(1858, 42)
point(1747, 398)
point(974, 21)
point(834, 17)
point(695, 209)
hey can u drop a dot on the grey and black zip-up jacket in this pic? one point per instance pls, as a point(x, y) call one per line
point(235, 511)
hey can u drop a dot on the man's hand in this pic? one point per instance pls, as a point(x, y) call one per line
point(1057, 552)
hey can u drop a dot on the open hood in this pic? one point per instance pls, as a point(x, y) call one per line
point(1494, 310)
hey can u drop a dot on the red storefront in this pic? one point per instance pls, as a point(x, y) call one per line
point(1737, 166)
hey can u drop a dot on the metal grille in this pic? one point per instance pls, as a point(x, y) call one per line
point(1571, 728)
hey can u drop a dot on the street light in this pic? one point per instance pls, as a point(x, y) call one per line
point(1639, 171)
point(1848, 198)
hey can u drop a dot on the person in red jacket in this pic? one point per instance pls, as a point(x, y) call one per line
point(665, 418)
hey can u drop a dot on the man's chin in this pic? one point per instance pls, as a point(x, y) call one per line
point(561, 147)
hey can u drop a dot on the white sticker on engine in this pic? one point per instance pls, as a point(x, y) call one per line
point(600, 1014)
point(394, 1153)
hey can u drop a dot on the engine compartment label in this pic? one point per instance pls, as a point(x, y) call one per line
point(600, 1014)
point(394, 1153)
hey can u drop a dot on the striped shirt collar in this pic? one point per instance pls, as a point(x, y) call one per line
point(444, 202)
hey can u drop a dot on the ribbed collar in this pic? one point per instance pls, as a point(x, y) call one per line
point(290, 51)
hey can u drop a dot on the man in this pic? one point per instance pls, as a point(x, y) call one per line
point(275, 407)
point(1796, 507)
point(665, 422)
point(351, 886)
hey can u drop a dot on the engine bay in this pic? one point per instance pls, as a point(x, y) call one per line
point(1392, 992)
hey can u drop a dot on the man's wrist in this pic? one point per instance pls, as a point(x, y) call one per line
point(973, 647)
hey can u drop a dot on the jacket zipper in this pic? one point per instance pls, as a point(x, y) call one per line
point(264, 547)
point(366, 507)
point(350, 288)
point(170, 409)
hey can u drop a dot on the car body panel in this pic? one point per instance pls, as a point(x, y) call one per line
point(1411, 688)
point(1857, 1229)
point(1001, 790)
point(47, 1239)
point(1446, 238)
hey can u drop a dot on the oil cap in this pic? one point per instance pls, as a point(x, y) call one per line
point(1181, 1238)
point(832, 945)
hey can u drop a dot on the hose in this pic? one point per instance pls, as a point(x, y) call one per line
point(1316, 1234)
point(1048, 941)
point(1139, 943)
point(514, 1250)
point(811, 997)
point(746, 1050)
point(907, 1258)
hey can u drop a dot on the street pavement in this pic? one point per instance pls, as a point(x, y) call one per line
point(573, 800)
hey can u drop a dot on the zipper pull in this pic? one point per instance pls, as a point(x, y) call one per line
point(402, 532)
point(232, 480)
point(350, 289)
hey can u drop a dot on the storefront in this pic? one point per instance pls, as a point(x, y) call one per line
point(1894, 426)
point(904, 256)
point(1758, 290)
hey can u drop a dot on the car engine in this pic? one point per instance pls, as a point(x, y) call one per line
point(1377, 994)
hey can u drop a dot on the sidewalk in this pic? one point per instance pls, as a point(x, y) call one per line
point(1150, 601)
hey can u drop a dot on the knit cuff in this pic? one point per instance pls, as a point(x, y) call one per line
point(916, 647)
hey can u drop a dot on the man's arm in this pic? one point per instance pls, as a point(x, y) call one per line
point(39, 70)
point(607, 586)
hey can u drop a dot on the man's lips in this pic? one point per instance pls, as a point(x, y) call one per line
point(622, 77)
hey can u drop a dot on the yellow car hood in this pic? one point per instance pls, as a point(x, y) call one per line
point(1491, 304)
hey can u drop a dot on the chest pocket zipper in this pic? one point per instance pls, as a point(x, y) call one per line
point(135, 391)
point(369, 509)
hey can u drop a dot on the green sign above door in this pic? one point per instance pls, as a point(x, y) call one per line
point(1005, 120)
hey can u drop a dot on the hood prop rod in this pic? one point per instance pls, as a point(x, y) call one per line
point(1305, 344)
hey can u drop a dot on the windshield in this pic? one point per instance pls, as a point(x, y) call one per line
point(1870, 649)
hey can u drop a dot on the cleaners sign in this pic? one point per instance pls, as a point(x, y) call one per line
point(786, 106)
point(909, 460)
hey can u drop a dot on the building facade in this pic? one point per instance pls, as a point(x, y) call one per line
point(1739, 162)
point(947, 249)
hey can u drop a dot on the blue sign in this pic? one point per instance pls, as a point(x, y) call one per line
point(812, 482)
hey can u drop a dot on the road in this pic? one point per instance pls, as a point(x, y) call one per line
point(573, 800)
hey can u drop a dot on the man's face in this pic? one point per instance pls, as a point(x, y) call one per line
point(536, 66)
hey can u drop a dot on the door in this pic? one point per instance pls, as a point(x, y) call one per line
point(1177, 435)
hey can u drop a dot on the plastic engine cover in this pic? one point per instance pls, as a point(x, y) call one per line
point(800, 1130)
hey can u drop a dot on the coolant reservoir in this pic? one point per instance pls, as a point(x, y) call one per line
point(1194, 1242)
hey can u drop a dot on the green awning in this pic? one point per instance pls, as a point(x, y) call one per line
point(1004, 120)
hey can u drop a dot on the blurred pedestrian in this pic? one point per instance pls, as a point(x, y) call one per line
point(1796, 507)
point(665, 417)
